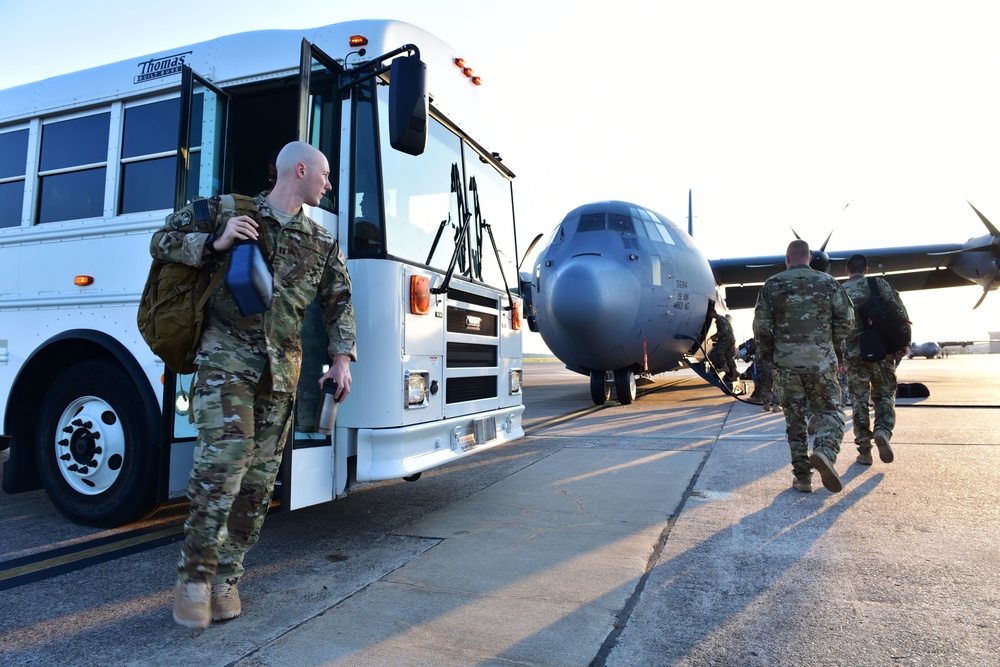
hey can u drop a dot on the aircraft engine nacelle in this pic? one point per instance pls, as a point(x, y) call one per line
point(527, 290)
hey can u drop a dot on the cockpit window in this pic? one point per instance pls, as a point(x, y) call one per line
point(591, 222)
point(620, 223)
point(666, 233)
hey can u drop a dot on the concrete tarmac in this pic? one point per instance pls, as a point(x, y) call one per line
point(661, 533)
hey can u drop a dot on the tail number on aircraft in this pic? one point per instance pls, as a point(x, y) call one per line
point(683, 298)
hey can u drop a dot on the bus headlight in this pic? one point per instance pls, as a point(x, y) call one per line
point(415, 387)
point(515, 381)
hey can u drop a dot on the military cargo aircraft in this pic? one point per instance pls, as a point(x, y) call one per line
point(620, 291)
point(929, 350)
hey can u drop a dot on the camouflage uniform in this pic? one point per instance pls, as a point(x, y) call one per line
point(800, 322)
point(248, 368)
point(870, 381)
point(723, 354)
point(763, 382)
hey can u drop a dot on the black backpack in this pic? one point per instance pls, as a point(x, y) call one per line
point(885, 323)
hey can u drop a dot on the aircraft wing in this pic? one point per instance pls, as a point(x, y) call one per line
point(906, 268)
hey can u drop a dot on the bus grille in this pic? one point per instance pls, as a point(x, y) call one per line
point(473, 326)
point(468, 355)
point(459, 390)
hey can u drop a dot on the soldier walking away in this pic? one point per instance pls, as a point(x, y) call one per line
point(801, 320)
point(248, 367)
point(870, 381)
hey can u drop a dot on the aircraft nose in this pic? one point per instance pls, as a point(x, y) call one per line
point(594, 301)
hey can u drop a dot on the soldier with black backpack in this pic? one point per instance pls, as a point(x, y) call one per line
point(871, 358)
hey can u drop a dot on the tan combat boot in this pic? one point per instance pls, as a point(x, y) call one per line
point(191, 604)
point(803, 483)
point(884, 450)
point(225, 601)
point(824, 466)
point(865, 455)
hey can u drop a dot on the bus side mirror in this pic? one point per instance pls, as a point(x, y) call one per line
point(408, 105)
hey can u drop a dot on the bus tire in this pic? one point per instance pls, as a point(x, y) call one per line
point(600, 390)
point(625, 386)
point(95, 446)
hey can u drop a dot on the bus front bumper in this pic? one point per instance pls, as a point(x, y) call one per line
point(394, 453)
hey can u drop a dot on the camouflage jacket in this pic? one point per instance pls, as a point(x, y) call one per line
point(857, 289)
point(307, 262)
point(724, 336)
point(801, 320)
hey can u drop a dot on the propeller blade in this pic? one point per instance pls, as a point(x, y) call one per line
point(985, 292)
point(527, 252)
point(989, 285)
point(823, 247)
point(989, 225)
point(795, 232)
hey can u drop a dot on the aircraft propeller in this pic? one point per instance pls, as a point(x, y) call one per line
point(531, 246)
point(994, 248)
point(820, 260)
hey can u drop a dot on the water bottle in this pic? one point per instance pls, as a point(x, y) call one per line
point(328, 409)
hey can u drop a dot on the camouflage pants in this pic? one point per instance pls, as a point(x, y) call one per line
point(242, 427)
point(875, 382)
point(723, 357)
point(803, 394)
point(764, 381)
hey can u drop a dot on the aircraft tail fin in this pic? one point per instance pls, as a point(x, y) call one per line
point(690, 216)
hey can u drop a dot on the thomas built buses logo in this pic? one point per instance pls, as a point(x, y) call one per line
point(160, 67)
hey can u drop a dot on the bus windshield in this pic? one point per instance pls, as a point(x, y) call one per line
point(424, 201)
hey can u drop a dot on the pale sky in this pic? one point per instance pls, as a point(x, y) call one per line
point(776, 114)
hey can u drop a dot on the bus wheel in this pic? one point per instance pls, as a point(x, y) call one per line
point(600, 390)
point(625, 386)
point(96, 448)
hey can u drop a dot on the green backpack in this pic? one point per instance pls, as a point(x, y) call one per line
point(172, 308)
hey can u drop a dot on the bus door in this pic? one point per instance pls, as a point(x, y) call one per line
point(200, 162)
point(314, 468)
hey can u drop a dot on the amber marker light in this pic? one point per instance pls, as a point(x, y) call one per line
point(420, 295)
point(358, 40)
point(83, 281)
point(515, 317)
point(460, 63)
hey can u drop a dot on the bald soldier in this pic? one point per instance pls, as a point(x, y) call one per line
point(248, 368)
point(801, 321)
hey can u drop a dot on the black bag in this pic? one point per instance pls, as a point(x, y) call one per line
point(912, 390)
point(872, 347)
point(886, 318)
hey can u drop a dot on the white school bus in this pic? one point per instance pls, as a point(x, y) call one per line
point(91, 162)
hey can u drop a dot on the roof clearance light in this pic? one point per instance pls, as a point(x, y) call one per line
point(420, 295)
point(476, 81)
point(460, 63)
point(358, 40)
point(83, 281)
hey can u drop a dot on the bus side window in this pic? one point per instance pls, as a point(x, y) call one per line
point(74, 158)
point(13, 161)
point(147, 181)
